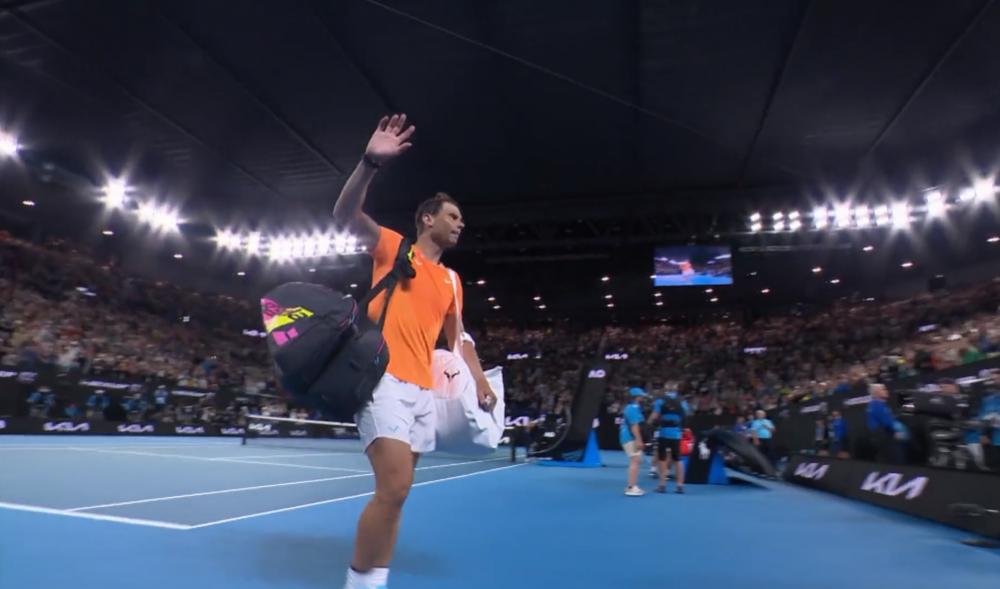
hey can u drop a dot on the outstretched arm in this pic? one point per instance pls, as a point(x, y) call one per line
point(390, 139)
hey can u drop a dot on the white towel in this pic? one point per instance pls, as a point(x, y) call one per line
point(462, 426)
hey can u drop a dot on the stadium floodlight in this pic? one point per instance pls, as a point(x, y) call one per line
point(935, 203)
point(820, 217)
point(794, 215)
point(713, 300)
point(755, 217)
point(779, 225)
point(252, 245)
point(967, 194)
point(862, 216)
point(900, 215)
point(795, 225)
point(115, 192)
point(868, 248)
point(835, 281)
point(227, 240)
point(280, 248)
point(605, 278)
point(351, 244)
point(984, 189)
point(323, 245)
point(778, 216)
point(241, 273)
point(882, 215)
point(993, 239)
point(537, 298)
point(496, 307)
point(340, 243)
point(159, 218)
point(765, 291)
point(28, 203)
point(756, 227)
point(817, 270)
point(608, 296)
point(8, 144)
point(842, 214)
point(906, 264)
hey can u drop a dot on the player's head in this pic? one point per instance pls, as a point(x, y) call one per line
point(441, 219)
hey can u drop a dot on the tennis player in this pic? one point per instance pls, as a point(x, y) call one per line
point(398, 425)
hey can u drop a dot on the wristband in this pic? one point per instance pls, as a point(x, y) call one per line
point(370, 162)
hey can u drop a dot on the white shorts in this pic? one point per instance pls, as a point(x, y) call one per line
point(399, 410)
point(631, 449)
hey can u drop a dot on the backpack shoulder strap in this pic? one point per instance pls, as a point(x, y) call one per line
point(402, 269)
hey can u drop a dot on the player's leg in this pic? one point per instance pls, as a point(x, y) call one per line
point(634, 461)
point(678, 466)
point(393, 464)
point(393, 428)
point(662, 464)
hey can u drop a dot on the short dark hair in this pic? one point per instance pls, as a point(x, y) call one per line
point(431, 206)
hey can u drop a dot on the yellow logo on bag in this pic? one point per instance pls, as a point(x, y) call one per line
point(289, 315)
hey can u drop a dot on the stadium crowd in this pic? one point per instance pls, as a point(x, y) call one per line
point(62, 309)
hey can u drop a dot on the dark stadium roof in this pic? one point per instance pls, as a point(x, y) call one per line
point(563, 127)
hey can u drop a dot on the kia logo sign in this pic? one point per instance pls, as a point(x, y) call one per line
point(65, 426)
point(260, 427)
point(189, 430)
point(233, 431)
point(298, 433)
point(596, 373)
point(891, 484)
point(811, 470)
point(135, 428)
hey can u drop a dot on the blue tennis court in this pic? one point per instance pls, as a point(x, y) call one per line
point(88, 512)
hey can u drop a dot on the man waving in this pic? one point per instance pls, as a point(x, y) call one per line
point(398, 425)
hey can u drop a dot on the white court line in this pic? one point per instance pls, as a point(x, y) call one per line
point(206, 459)
point(219, 492)
point(255, 487)
point(285, 464)
point(289, 455)
point(280, 464)
point(339, 499)
point(115, 447)
point(94, 516)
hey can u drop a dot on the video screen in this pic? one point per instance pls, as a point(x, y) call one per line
point(693, 265)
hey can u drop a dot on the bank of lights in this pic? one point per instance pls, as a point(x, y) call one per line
point(114, 193)
point(898, 215)
point(283, 248)
point(8, 145)
point(160, 218)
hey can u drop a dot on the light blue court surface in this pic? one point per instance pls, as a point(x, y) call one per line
point(89, 513)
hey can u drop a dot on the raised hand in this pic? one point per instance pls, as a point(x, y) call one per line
point(390, 139)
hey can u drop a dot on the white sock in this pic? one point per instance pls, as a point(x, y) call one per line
point(377, 578)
